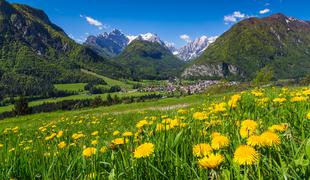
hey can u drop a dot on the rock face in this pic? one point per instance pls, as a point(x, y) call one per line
point(211, 70)
point(112, 43)
point(279, 42)
point(194, 48)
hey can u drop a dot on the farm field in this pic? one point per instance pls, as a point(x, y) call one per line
point(256, 134)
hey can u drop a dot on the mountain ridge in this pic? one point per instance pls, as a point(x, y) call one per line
point(278, 41)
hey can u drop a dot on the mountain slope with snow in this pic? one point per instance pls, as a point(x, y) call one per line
point(194, 48)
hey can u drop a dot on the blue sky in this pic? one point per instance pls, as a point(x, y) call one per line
point(168, 18)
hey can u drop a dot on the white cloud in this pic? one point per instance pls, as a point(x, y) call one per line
point(234, 17)
point(264, 11)
point(186, 38)
point(94, 22)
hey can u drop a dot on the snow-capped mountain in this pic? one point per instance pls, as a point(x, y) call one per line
point(115, 42)
point(111, 43)
point(194, 48)
point(150, 37)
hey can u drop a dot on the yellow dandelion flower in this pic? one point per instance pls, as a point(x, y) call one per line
point(255, 141)
point(77, 136)
point(95, 133)
point(221, 107)
point(103, 149)
point(248, 128)
point(279, 100)
point(200, 115)
point(308, 115)
point(127, 134)
point(233, 102)
point(115, 133)
point(298, 99)
point(306, 92)
point(119, 141)
point(142, 123)
point(89, 151)
point(62, 145)
point(214, 134)
point(211, 162)
point(219, 142)
point(278, 127)
point(201, 150)
point(60, 133)
point(245, 155)
point(144, 150)
point(270, 139)
point(94, 142)
point(50, 137)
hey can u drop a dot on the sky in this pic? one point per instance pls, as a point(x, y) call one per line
point(175, 21)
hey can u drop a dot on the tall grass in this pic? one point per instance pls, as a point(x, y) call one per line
point(28, 153)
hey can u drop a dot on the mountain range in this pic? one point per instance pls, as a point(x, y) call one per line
point(115, 42)
point(33, 48)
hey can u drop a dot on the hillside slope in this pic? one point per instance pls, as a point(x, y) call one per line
point(277, 41)
point(149, 60)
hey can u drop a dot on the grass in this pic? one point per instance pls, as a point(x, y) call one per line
point(25, 121)
point(77, 87)
point(112, 82)
point(74, 97)
point(89, 144)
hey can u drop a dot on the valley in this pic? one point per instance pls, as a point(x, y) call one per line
point(107, 104)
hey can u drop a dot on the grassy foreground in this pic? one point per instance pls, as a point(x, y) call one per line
point(260, 134)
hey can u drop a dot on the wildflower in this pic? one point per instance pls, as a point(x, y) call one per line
point(62, 145)
point(219, 107)
point(94, 142)
point(211, 162)
point(127, 134)
point(95, 133)
point(219, 142)
point(141, 123)
point(200, 150)
point(200, 115)
point(59, 134)
point(115, 133)
point(119, 141)
point(248, 128)
point(270, 139)
point(77, 136)
point(306, 92)
point(255, 141)
point(103, 149)
point(257, 93)
point(245, 155)
point(278, 127)
point(182, 111)
point(298, 99)
point(279, 100)
point(89, 151)
point(1, 145)
point(144, 150)
point(215, 134)
point(234, 100)
point(308, 115)
point(50, 137)
point(160, 127)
